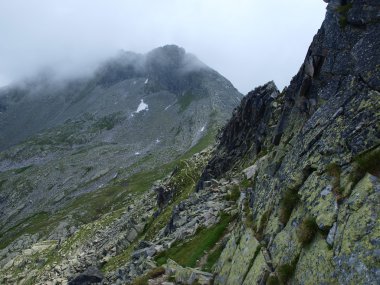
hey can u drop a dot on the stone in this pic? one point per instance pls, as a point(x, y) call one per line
point(89, 276)
point(188, 275)
point(322, 270)
point(331, 235)
point(243, 256)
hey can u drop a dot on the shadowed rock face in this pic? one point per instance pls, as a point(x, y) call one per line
point(246, 131)
point(326, 119)
point(342, 61)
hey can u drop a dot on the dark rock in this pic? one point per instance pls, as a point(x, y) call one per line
point(91, 275)
point(328, 115)
point(163, 196)
point(245, 131)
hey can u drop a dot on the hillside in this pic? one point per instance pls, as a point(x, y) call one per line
point(288, 194)
point(74, 150)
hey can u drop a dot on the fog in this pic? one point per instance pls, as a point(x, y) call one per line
point(248, 41)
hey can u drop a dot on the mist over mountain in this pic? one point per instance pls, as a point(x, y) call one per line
point(164, 77)
point(155, 170)
point(135, 113)
point(71, 38)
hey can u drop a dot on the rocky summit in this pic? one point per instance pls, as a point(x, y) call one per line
point(287, 194)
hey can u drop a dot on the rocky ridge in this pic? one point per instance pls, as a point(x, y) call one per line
point(313, 169)
point(289, 195)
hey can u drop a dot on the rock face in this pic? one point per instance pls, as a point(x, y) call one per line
point(91, 275)
point(247, 130)
point(288, 195)
point(315, 189)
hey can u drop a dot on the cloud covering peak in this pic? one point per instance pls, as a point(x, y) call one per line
point(248, 41)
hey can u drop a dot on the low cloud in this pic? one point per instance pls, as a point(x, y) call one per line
point(248, 41)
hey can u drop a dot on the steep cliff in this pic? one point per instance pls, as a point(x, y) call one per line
point(288, 195)
point(311, 209)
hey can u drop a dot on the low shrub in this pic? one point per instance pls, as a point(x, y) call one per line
point(287, 204)
point(156, 272)
point(307, 230)
point(285, 272)
point(262, 225)
point(333, 169)
point(366, 162)
point(273, 280)
point(343, 12)
point(234, 193)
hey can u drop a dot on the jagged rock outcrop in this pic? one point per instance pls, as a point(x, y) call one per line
point(251, 123)
point(316, 183)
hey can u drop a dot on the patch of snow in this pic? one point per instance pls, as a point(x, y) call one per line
point(158, 141)
point(167, 107)
point(137, 153)
point(146, 81)
point(142, 107)
point(134, 82)
point(203, 128)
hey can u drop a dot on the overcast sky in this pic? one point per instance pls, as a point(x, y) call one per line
point(248, 41)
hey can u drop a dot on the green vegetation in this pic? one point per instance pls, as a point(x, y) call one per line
point(142, 280)
point(234, 193)
point(107, 122)
point(246, 183)
point(189, 253)
point(333, 169)
point(185, 100)
point(343, 11)
point(187, 174)
point(84, 209)
point(262, 225)
point(154, 273)
point(307, 231)
point(67, 134)
point(249, 223)
point(273, 280)
point(287, 204)
point(107, 203)
point(213, 257)
point(366, 162)
point(285, 272)
point(205, 141)
point(38, 223)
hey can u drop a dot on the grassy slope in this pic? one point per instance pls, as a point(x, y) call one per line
point(187, 254)
point(90, 207)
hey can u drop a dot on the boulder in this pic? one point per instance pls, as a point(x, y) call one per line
point(91, 275)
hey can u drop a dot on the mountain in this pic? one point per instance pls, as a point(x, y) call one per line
point(288, 194)
point(166, 79)
point(62, 140)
